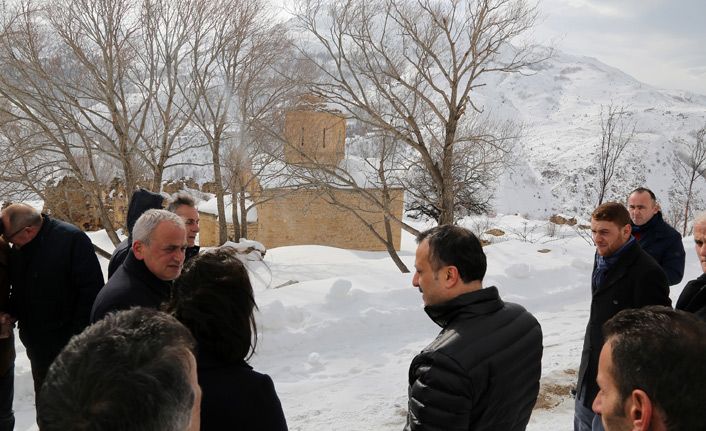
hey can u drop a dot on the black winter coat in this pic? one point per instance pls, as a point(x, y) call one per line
point(693, 297)
point(634, 281)
point(55, 279)
point(234, 396)
point(482, 371)
point(132, 284)
point(664, 244)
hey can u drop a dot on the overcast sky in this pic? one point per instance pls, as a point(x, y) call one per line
point(659, 42)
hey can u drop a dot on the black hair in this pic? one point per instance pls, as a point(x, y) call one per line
point(455, 246)
point(127, 372)
point(661, 351)
point(214, 298)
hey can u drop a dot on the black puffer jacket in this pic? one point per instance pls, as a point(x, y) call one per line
point(482, 371)
point(693, 297)
point(664, 244)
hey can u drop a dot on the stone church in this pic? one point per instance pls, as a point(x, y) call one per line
point(306, 216)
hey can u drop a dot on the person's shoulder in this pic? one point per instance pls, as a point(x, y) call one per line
point(63, 228)
point(667, 230)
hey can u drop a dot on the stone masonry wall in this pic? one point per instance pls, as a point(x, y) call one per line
point(208, 237)
point(305, 217)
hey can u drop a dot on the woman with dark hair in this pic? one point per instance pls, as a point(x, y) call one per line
point(213, 297)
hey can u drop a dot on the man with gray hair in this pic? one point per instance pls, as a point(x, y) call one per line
point(155, 259)
point(693, 297)
point(133, 371)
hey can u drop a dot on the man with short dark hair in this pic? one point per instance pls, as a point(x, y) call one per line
point(156, 258)
point(693, 297)
point(483, 370)
point(655, 236)
point(55, 277)
point(184, 205)
point(651, 373)
point(624, 276)
point(133, 371)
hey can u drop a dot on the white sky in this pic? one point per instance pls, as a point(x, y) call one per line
point(659, 42)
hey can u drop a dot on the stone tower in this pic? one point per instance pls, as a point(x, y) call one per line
point(315, 135)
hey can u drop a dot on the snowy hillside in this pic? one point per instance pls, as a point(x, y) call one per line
point(560, 102)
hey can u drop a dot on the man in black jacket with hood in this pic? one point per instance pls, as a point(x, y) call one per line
point(482, 371)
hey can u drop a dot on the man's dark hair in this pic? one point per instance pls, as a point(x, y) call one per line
point(455, 246)
point(644, 190)
point(214, 298)
point(661, 351)
point(179, 199)
point(127, 372)
point(613, 212)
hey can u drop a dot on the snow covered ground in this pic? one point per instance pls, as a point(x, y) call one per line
point(338, 336)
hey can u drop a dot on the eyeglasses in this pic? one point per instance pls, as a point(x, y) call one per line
point(7, 238)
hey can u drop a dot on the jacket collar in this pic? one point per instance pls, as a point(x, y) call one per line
point(654, 221)
point(476, 303)
point(139, 269)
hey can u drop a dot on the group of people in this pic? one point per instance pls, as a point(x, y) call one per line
point(641, 365)
point(163, 345)
point(168, 343)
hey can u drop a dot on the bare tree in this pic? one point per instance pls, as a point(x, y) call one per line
point(477, 164)
point(47, 108)
point(242, 93)
point(408, 69)
point(617, 132)
point(690, 165)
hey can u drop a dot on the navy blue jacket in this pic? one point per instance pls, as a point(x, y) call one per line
point(693, 297)
point(482, 371)
point(664, 244)
point(55, 279)
point(234, 396)
point(633, 281)
point(132, 284)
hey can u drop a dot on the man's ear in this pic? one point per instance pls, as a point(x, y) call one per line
point(138, 249)
point(627, 230)
point(656, 209)
point(641, 411)
point(451, 275)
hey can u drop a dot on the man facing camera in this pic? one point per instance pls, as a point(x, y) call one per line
point(483, 369)
point(655, 236)
point(156, 258)
point(624, 276)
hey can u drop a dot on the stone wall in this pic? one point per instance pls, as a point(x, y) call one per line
point(306, 217)
point(319, 135)
point(208, 237)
